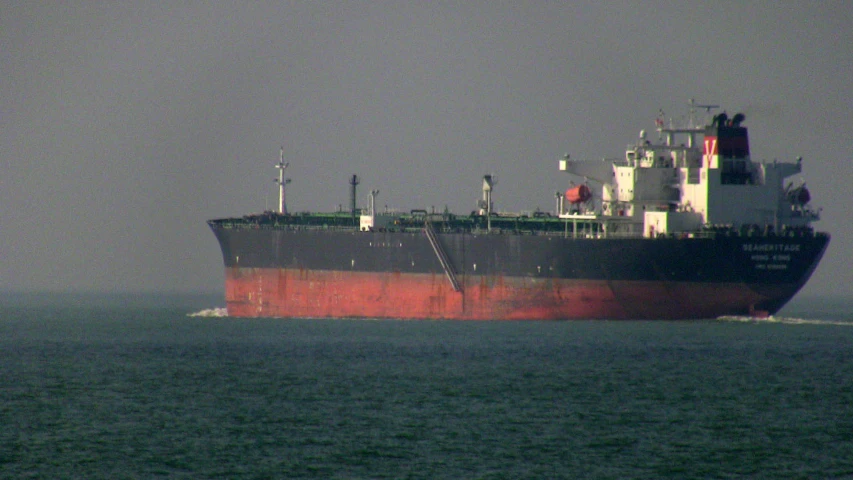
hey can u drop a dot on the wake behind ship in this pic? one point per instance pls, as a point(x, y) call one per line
point(678, 229)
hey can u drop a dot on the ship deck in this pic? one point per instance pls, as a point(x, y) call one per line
point(580, 226)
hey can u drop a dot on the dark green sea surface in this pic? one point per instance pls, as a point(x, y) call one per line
point(133, 387)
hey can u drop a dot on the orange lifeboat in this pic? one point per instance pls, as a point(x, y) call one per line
point(578, 194)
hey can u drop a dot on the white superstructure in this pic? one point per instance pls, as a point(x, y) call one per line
point(679, 185)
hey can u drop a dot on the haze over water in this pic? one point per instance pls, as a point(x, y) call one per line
point(118, 386)
point(125, 125)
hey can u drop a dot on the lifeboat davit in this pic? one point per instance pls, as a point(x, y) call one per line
point(578, 194)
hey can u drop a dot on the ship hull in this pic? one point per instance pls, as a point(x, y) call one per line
point(253, 292)
point(317, 273)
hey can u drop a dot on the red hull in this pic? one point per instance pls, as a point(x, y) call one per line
point(269, 292)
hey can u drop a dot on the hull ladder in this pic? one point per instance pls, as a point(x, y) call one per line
point(442, 257)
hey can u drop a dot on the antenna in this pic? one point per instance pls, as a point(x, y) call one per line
point(281, 181)
point(694, 106)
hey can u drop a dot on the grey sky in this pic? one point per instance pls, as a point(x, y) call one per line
point(125, 125)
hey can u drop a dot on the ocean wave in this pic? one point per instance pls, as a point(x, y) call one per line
point(210, 312)
point(783, 320)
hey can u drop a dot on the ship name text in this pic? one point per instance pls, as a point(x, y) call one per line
point(771, 247)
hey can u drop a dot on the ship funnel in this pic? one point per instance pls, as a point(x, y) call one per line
point(737, 119)
point(726, 140)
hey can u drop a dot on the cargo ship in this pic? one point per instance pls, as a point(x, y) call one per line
point(687, 226)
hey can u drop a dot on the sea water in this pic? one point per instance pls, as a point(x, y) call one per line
point(165, 386)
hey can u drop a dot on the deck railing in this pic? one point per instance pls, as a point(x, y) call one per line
point(709, 233)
